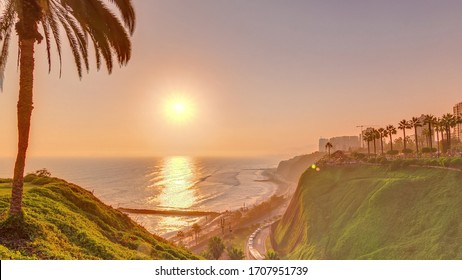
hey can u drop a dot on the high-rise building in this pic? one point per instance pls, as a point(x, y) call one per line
point(345, 143)
point(342, 143)
point(458, 112)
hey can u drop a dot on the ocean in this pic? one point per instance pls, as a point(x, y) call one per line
point(170, 183)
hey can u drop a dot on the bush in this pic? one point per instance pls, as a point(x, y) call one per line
point(43, 173)
point(407, 151)
point(393, 152)
point(40, 181)
point(396, 164)
point(455, 162)
point(427, 150)
point(358, 156)
point(235, 253)
point(382, 160)
point(272, 255)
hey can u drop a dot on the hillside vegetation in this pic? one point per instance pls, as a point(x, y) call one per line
point(64, 221)
point(373, 212)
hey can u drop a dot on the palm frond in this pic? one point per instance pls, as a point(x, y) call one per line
point(4, 55)
point(73, 42)
point(6, 26)
point(128, 13)
point(46, 31)
point(53, 22)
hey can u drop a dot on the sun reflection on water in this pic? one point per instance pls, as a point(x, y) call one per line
point(178, 174)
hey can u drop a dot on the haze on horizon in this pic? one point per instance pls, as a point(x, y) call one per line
point(262, 77)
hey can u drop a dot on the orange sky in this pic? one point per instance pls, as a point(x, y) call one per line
point(265, 78)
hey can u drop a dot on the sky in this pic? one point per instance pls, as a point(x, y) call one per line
point(260, 77)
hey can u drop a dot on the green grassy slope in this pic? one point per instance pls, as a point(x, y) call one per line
point(64, 221)
point(373, 212)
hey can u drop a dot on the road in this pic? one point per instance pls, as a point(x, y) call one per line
point(260, 240)
point(256, 248)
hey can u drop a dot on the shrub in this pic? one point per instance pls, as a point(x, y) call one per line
point(272, 255)
point(407, 151)
point(235, 253)
point(358, 156)
point(43, 173)
point(427, 150)
point(455, 162)
point(393, 152)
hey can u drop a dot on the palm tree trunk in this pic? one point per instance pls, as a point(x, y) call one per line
point(375, 149)
point(438, 142)
point(368, 149)
point(404, 139)
point(25, 106)
point(430, 136)
point(442, 140)
point(391, 143)
point(416, 143)
point(381, 144)
point(448, 138)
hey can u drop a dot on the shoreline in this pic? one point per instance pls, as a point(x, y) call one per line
point(237, 219)
point(204, 217)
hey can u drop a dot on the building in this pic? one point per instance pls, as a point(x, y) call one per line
point(322, 144)
point(341, 143)
point(457, 110)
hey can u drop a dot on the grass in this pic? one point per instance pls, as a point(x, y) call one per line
point(5, 188)
point(64, 221)
point(373, 212)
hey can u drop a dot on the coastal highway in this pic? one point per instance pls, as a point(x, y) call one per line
point(256, 248)
point(260, 239)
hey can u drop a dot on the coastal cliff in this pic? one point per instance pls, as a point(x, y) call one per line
point(64, 221)
point(373, 212)
point(293, 168)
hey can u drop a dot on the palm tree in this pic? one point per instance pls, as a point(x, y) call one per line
point(82, 22)
point(383, 133)
point(367, 136)
point(430, 120)
point(448, 121)
point(426, 133)
point(403, 125)
point(328, 147)
point(196, 228)
point(437, 125)
point(458, 120)
point(216, 247)
point(415, 122)
point(375, 136)
point(391, 130)
point(441, 127)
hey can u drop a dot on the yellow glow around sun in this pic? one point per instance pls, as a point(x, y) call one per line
point(179, 109)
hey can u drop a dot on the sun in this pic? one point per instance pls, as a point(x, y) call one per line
point(179, 109)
